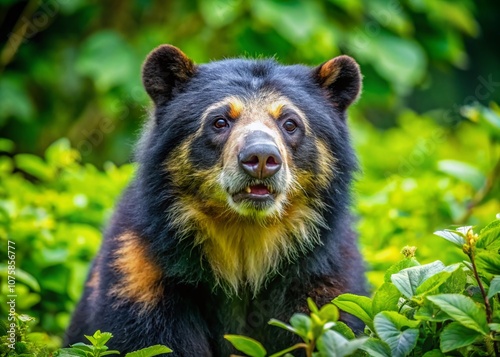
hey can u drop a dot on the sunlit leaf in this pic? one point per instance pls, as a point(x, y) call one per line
point(247, 345)
point(462, 309)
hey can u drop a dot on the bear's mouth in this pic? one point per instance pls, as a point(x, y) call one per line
point(256, 193)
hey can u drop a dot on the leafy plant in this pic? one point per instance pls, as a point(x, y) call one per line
point(424, 310)
point(16, 338)
point(98, 348)
point(433, 309)
point(320, 331)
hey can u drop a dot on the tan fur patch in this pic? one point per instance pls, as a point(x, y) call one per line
point(242, 251)
point(326, 163)
point(329, 72)
point(94, 282)
point(235, 108)
point(275, 109)
point(140, 278)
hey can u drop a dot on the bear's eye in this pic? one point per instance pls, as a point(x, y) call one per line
point(221, 123)
point(290, 125)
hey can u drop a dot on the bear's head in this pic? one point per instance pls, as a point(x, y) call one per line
point(248, 158)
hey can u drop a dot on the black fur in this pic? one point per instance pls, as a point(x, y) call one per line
point(194, 314)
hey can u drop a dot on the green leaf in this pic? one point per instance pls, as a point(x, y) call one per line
point(494, 287)
point(392, 328)
point(34, 166)
point(456, 336)
point(70, 352)
point(247, 345)
point(344, 330)
point(494, 327)
point(302, 325)
point(107, 59)
point(112, 352)
point(83, 347)
point(359, 306)
point(455, 237)
point(376, 348)
point(282, 325)
point(428, 312)
point(456, 283)
point(6, 145)
point(312, 305)
point(329, 312)
point(408, 280)
point(150, 351)
point(488, 261)
point(436, 280)
point(463, 309)
point(463, 172)
point(433, 353)
point(396, 268)
point(22, 277)
point(332, 343)
point(386, 298)
point(489, 237)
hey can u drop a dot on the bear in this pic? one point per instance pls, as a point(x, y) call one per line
point(239, 209)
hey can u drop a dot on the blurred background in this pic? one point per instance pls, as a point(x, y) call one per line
point(427, 126)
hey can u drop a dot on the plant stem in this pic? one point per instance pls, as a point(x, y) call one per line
point(481, 287)
point(489, 314)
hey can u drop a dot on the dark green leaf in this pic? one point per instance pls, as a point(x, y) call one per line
point(397, 331)
point(488, 261)
point(463, 309)
point(494, 287)
point(455, 336)
point(331, 343)
point(433, 353)
point(377, 348)
point(489, 237)
point(386, 298)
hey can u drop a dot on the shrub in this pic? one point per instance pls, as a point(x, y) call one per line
point(420, 310)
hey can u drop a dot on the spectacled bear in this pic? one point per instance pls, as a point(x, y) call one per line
point(239, 209)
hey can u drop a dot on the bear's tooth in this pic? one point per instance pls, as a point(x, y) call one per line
point(247, 189)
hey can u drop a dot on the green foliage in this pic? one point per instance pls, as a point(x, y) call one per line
point(420, 176)
point(98, 348)
point(321, 332)
point(60, 81)
point(435, 311)
point(53, 208)
point(425, 310)
point(16, 338)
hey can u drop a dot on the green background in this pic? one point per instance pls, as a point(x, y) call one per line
point(426, 128)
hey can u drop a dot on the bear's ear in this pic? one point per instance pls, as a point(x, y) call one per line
point(341, 78)
point(165, 70)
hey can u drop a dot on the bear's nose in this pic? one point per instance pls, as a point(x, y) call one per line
point(260, 158)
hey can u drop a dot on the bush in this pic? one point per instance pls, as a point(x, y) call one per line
point(420, 310)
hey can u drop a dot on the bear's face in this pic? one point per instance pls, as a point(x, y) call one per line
point(249, 150)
